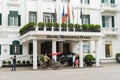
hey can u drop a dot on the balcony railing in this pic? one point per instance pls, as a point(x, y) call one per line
point(58, 29)
point(111, 31)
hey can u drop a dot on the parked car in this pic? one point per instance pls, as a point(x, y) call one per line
point(66, 58)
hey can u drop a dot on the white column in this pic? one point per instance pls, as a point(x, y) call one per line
point(54, 49)
point(34, 54)
point(81, 54)
point(97, 53)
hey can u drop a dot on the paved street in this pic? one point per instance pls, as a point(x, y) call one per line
point(105, 72)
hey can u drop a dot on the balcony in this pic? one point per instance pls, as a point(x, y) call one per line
point(111, 31)
point(13, 3)
point(106, 7)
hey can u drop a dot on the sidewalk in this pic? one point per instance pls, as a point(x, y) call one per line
point(30, 68)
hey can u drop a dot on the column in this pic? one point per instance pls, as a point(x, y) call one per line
point(97, 53)
point(54, 49)
point(81, 54)
point(34, 54)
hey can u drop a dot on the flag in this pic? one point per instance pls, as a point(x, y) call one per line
point(81, 13)
point(55, 16)
point(68, 13)
point(73, 14)
point(63, 16)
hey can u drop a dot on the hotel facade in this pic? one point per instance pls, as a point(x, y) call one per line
point(103, 44)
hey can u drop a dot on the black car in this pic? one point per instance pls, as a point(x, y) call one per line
point(66, 59)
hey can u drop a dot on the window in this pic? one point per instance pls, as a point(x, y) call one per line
point(0, 49)
point(108, 1)
point(49, 0)
point(15, 48)
point(48, 17)
point(33, 17)
point(0, 19)
point(65, 0)
point(108, 21)
point(85, 1)
point(14, 19)
point(86, 47)
point(86, 19)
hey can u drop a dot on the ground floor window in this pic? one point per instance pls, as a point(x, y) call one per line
point(15, 48)
point(108, 50)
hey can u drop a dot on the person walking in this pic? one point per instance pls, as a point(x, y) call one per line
point(73, 61)
point(14, 64)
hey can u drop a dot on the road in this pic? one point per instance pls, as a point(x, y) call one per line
point(102, 73)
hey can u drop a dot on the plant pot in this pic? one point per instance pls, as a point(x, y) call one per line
point(41, 28)
point(64, 29)
point(56, 29)
point(48, 29)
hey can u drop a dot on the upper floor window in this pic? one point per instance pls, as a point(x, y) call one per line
point(108, 1)
point(86, 19)
point(33, 17)
point(0, 19)
point(48, 17)
point(65, 0)
point(85, 1)
point(14, 19)
point(108, 21)
point(49, 0)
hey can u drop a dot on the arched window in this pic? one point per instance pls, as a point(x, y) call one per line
point(15, 48)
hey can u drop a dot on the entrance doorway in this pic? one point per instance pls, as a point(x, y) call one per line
point(108, 50)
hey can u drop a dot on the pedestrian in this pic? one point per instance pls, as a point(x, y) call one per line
point(14, 63)
point(76, 63)
point(73, 61)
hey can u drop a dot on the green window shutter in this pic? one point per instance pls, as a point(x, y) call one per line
point(102, 1)
point(88, 19)
point(103, 21)
point(13, 13)
point(113, 24)
point(0, 49)
point(0, 19)
point(11, 50)
point(20, 49)
point(112, 1)
point(19, 20)
point(88, 1)
point(8, 20)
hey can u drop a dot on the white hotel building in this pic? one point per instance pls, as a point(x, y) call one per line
point(103, 45)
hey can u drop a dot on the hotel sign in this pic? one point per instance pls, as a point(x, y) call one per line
point(68, 37)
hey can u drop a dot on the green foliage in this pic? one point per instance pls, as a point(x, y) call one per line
point(77, 26)
point(41, 24)
point(19, 62)
point(56, 24)
point(117, 55)
point(4, 62)
point(63, 25)
point(91, 26)
point(9, 62)
point(89, 57)
point(85, 27)
point(27, 62)
point(70, 25)
point(49, 24)
point(23, 62)
point(97, 26)
point(27, 26)
point(41, 58)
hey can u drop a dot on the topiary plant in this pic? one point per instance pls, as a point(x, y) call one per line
point(4, 62)
point(89, 59)
point(117, 57)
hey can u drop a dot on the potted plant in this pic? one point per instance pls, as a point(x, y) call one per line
point(97, 28)
point(91, 27)
point(117, 57)
point(85, 27)
point(63, 26)
point(41, 25)
point(41, 58)
point(70, 26)
point(77, 27)
point(49, 26)
point(89, 60)
point(31, 26)
point(56, 26)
